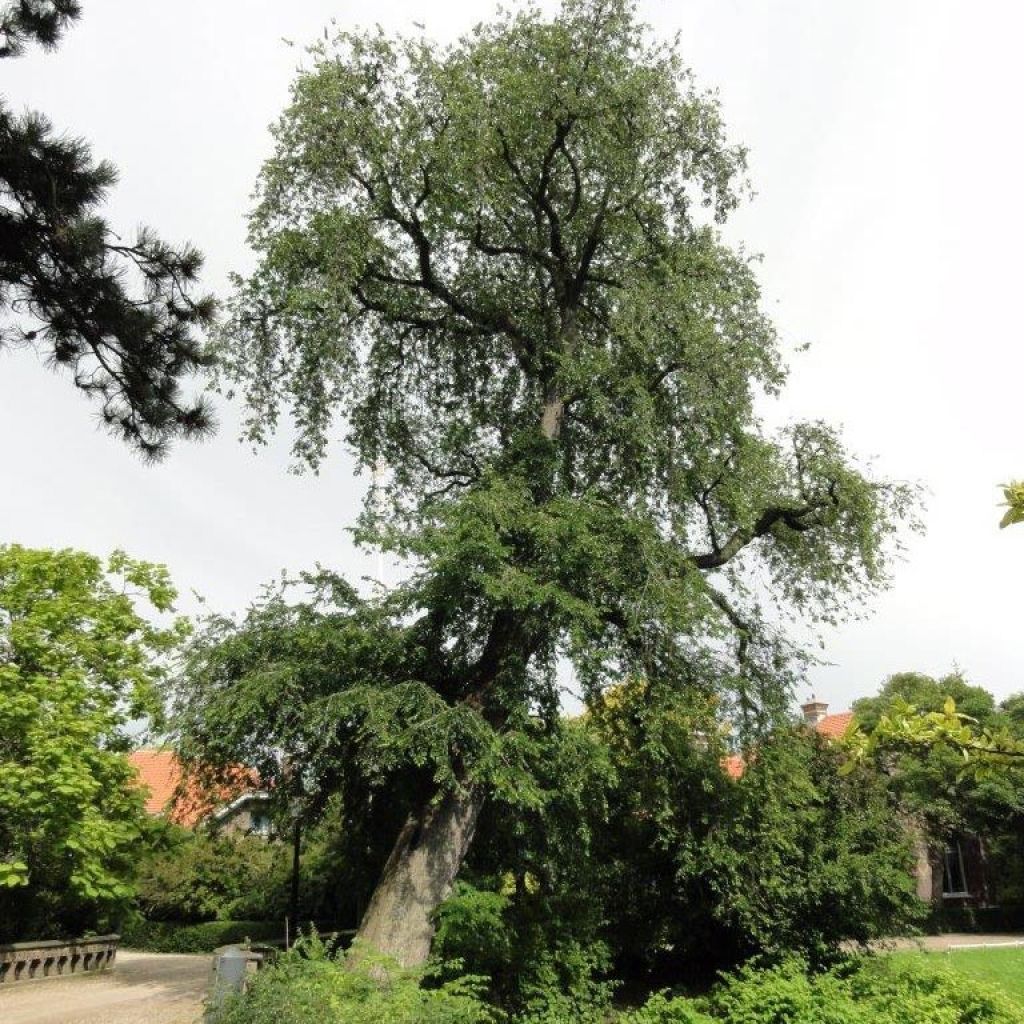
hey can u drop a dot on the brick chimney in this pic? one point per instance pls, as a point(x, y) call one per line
point(814, 710)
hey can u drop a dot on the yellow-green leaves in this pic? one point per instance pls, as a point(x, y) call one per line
point(13, 872)
point(1014, 504)
point(906, 727)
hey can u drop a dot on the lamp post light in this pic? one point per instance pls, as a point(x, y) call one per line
point(295, 811)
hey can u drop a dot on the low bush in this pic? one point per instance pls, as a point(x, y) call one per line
point(170, 937)
point(541, 956)
point(879, 990)
point(193, 876)
point(310, 986)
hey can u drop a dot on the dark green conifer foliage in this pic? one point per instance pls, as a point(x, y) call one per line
point(121, 316)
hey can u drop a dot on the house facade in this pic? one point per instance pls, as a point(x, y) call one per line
point(239, 807)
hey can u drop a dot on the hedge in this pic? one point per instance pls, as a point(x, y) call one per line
point(170, 937)
point(1006, 918)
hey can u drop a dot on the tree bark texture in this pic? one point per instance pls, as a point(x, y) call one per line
point(418, 876)
point(434, 842)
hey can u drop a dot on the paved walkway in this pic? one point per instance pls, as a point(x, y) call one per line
point(143, 988)
point(940, 943)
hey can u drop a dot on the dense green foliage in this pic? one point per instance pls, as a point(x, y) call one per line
point(954, 760)
point(648, 861)
point(309, 986)
point(120, 317)
point(636, 856)
point(545, 956)
point(792, 856)
point(929, 780)
point(174, 937)
point(188, 876)
point(806, 859)
point(883, 990)
point(78, 663)
point(497, 267)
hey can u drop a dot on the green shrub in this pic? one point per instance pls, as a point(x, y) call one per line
point(171, 937)
point(922, 991)
point(833, 859)
point(309, 986)
point(661, 1009)
point(880, 990)
point(199, 876)
point(541, 954)
point(472, 931)
point(786, 994)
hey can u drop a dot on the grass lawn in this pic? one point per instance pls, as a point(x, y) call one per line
point(1001, 967)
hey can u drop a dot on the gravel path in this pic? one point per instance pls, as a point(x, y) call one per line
point(940, 943)
point(143, 988)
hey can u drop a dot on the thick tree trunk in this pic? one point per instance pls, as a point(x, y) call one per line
point(418, 875)
point(433, 844)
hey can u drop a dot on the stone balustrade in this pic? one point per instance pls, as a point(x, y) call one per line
point(21, 961)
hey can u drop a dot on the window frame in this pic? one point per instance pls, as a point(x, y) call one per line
point(954, 847)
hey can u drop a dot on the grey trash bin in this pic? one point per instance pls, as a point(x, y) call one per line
point(229, 974)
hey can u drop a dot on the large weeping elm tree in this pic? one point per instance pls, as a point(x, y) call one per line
point(496, 267)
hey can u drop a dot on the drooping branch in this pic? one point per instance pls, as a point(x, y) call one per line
point(793, 517)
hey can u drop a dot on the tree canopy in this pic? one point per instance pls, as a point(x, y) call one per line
point(497, 267)
point(79, 662)
point(120, 315)
point(954, 760)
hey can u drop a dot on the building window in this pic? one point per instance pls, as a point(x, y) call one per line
point(954, 879)
point(260, 823)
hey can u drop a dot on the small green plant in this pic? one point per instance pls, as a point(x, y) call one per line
point(872, 990)
point(661, 1008)
point(310, 985)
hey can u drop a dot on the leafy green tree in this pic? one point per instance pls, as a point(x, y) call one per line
point(927, 694)
point(955, 764)
point(649, 856)
point(120, 316)
point(78, 663)
point(650, 860)
point(698, 870)
point(809, 858)
point(948, 750)
point(316, 691)
point(497, 264)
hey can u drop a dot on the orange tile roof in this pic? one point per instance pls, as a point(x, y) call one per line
point(831, 726)
point(834, 726)
point(161, 775)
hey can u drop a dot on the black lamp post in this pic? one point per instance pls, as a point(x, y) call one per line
point(293, 903)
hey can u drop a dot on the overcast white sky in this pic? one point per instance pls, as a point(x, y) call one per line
point(886, 151)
